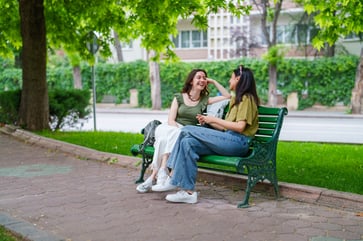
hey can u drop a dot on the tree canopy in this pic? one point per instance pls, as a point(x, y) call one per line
point(336, 19)
point(68, 24)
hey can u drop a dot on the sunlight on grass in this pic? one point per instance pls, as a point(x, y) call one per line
point(333, 166)
point(113, 142)
point(6, 235)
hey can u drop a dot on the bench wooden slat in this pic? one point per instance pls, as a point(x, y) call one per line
point(264, 110)
point(136, 149)
point(220, 160)
point(265, 125)
point(267, 119)
point(263, 138)
point(265, 132)
point(259, 164)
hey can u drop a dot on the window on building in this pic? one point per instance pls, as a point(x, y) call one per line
point(313, 31)
point(305, 33)
point(176, 41)
point(191, 39)
point(196, 39)
point(302, 35)
point(279, 34)
point(205, 38)
point(352, 36)
point(185, 39)
point(126, 45)
point(294, 34)
point(285, 34)
point(235, 20)
point(289, 34)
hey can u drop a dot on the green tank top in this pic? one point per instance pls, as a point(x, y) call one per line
point(187, 114)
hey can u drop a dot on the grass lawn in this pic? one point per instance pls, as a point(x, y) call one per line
point(6, 235)
point(333, 166)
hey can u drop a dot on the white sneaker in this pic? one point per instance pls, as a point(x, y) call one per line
point(145, 186)
point(163, 187)
point(162, 176)
point(182, 197)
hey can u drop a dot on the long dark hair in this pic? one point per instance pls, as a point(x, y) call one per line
point(246, 84)
point(187, 85)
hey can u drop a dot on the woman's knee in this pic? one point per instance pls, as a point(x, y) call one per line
point(186, 130)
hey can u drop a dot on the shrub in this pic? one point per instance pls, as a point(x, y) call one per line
point(66, 107)
point(9, 106)
point(327, 81)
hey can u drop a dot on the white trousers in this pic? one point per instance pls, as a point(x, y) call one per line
point(165, 138)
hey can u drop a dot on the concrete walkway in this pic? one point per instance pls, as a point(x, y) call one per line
point(50, 190)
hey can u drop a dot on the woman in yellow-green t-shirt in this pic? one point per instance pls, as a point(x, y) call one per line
point(228, 138)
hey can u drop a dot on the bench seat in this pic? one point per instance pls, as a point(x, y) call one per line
point(258, 165)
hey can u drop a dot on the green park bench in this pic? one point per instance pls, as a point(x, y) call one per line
point(258, 165)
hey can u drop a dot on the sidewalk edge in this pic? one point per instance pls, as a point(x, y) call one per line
point(303, 193)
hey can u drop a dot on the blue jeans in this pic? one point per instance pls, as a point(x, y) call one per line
point(195, 141)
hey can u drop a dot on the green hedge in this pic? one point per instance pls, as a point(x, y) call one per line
point(327, 81)
point(66, 107)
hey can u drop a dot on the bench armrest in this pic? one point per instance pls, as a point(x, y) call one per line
point(262, 152)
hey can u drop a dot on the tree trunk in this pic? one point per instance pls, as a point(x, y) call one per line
point(264, 6)
point(357, 92)
point(329, 51)
point(77, 77)
point(118, 47)
point(34, 103)
point(155, 84)
point(272, 85)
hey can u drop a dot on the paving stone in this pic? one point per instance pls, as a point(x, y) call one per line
point(94, 201)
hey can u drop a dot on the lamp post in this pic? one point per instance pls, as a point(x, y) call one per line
point(92, 46)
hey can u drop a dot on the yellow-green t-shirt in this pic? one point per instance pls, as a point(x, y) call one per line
point(247, 111)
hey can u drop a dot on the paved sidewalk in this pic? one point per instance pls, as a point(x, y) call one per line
point(49, 191)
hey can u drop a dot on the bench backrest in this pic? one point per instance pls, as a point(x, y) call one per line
point(270, 122)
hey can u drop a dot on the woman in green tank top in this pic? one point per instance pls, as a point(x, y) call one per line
point(184, 109)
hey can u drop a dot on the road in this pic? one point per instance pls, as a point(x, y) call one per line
point(316, 127)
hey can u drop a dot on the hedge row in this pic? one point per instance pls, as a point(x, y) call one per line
point(66, 107)
point(327, 81)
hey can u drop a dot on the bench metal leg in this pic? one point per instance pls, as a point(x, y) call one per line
point(253, 180)
point(244, 203)
point(250, 185)
point(146, 161)
point(276, 186)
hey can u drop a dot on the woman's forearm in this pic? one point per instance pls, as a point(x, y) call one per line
point(220, 88)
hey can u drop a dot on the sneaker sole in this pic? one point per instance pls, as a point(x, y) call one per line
point(156, 189)
point(143, 191)
point(189, 202)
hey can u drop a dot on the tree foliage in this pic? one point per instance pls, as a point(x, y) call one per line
point(336, 19)
point(270, 12)
point(151, 21)
point(68, 24)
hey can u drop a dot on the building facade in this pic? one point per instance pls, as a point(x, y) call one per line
point(229, 37)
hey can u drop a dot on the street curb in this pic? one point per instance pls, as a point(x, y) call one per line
point(115, 109)
point(297, 192)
